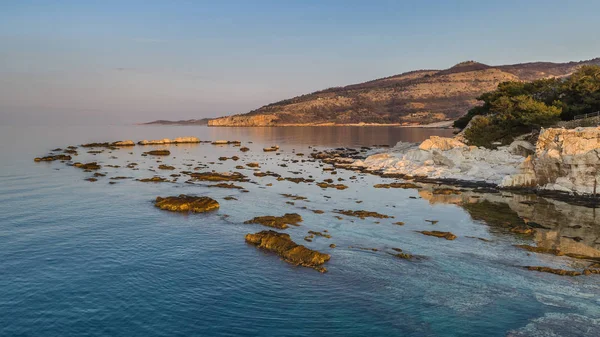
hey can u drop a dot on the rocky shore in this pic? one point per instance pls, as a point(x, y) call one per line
point(562, 160)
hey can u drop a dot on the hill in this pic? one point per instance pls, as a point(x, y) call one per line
point(412, 98)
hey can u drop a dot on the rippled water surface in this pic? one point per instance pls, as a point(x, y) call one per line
point(98, 259)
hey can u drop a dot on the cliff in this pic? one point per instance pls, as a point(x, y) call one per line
point(412, 98)
point(564, 160)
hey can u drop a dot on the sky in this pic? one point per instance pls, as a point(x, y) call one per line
point(135, 61)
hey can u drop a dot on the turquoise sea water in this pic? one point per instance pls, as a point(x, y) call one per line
point(81, 258)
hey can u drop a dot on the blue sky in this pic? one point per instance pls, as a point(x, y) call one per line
point(131, 61)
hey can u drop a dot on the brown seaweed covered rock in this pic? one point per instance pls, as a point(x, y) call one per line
point(87, 166)
point(362, 214)
point(280, 222)
point(282, 245)
point(53, 158)
point(186, 203)
point(158, 153)
point(438, 234)
point(215, 176)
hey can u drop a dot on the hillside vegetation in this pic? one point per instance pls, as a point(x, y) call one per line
point(516, 108)
point(412, 98)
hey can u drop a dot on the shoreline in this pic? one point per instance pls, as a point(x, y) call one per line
point(436, 125)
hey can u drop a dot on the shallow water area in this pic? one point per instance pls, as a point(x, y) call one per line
point(99, 259)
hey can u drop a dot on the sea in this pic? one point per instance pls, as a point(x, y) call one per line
point(83, 258)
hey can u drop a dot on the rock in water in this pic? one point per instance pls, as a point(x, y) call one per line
point(158, 153)
point(53, 158)
point(280, 222)
point(179, 140)
point(438, 234)
point(282, 245)
point(186, 203)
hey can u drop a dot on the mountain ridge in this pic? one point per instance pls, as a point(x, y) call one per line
point(412, 98)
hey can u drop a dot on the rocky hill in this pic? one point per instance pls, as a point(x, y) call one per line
point(412, 98)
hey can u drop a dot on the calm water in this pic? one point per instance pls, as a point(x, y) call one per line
point(82, 258)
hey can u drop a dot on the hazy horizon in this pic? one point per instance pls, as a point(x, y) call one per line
point(115, 62)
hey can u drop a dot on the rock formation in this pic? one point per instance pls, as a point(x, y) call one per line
point(282, 245)
point(565, 160)
point(186, 203)
point(280, 222)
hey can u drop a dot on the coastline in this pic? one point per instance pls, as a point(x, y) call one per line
point(436, 125)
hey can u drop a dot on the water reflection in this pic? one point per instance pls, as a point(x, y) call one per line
point(330, 136)
point(556, 225)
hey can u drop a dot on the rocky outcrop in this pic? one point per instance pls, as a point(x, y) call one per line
point(280, 222)
point(444, 158)
point(186, 203)
point(565, 160)
point(113, 144)
point(282, 245)
point(166, 141)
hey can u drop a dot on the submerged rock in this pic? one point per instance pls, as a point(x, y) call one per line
point(280, 222)
point(52, 158)
point(336, 186)
point(226, 185)
point(362, 214)
point(325, 235)
point(282, 245)
point(215, 176)
point(166, 167)
point(397, 185)
point(158, 153)
point(121, 143)
point(541, 250)
point(438, 234)
point(88, 166)
point(155, 179)
point(186, 203)
point(561, 272)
